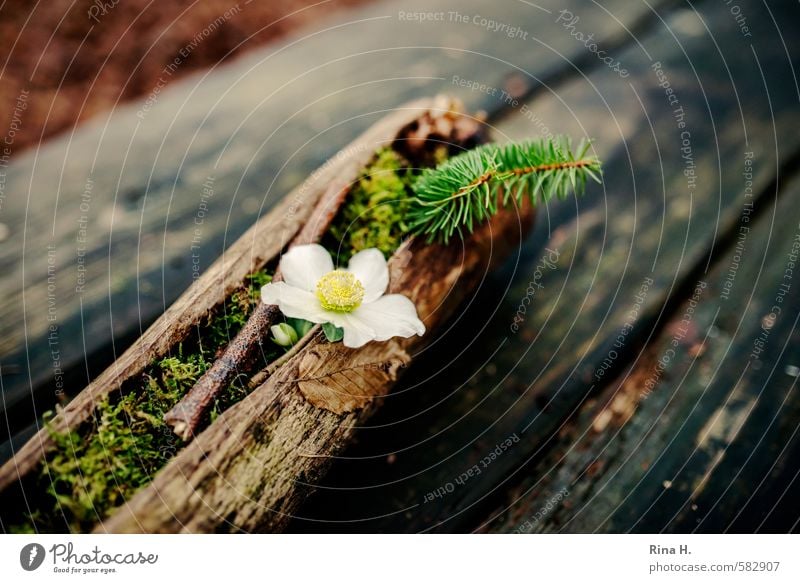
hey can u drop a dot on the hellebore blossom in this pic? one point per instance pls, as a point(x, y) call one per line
point(352, 299)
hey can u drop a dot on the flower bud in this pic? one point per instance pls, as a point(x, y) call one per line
point(283, 334)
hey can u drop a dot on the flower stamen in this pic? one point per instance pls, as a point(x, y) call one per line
point(339, 291)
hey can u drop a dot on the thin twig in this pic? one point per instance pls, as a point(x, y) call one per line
point(554, 166)
point(496, 174)
point(266, 372)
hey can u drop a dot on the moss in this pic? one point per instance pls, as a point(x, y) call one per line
point(232, 394)
point(224, 325)
point(27, 526)
point(129, 442)
point(95, 468)
point(374, 215)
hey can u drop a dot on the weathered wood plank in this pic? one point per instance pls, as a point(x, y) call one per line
point(645, 224)
point(701, 434)
point(114, 206)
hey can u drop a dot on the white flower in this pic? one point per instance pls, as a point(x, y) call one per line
point(351, 298)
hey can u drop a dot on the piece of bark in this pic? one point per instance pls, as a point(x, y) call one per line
point(250, 470)
point(255, 248)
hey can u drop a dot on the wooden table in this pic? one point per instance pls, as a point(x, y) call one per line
point(648, 384)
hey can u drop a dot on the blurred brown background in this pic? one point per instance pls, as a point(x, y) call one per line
point(76, 59)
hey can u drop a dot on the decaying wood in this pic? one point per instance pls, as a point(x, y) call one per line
point(252, 468)
point(338, 385)
point(241, 353)
point(258, 379)
point(260, 244)
point(439, 126)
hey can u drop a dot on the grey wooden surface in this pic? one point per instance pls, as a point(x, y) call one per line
point(488, 383)
point(258, 125)
point(711, 447)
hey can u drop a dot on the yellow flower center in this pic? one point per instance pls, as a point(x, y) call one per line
point(339, 291)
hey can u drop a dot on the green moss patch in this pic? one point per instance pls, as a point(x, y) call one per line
point(129, 442)
point(374, 215)
point(94, 469)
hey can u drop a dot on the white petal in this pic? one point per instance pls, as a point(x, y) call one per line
point(356, 332)
point(271, 293)
point(302, 266)
point(369, 267)
point(390, 316)
point(294, 302)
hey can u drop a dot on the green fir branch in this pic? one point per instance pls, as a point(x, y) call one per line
point(464, 191)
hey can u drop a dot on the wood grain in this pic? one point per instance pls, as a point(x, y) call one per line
point(643, 223)
point(700, 434)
